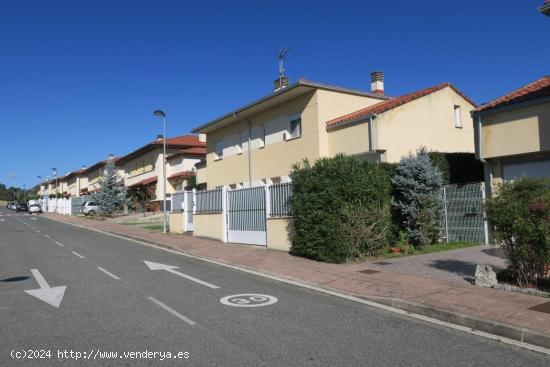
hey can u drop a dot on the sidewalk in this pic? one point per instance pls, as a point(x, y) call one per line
point(494, 311)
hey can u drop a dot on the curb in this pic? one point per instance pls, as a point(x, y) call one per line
point(521, 337)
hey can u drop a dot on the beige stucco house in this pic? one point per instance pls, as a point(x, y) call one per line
point(513, 134)
point(142, 168)
point(260, 142)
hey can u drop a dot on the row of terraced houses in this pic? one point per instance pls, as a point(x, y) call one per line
point(257, 144)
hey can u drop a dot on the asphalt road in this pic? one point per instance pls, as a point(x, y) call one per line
point(114, 303)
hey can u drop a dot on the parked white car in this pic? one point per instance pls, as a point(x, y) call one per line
point(89, 208)
point(35, 208)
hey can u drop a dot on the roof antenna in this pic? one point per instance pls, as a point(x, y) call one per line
point(283, 80)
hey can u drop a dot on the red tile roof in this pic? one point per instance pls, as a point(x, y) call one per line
point(181, 174)
point(184, 142)
point(145, 182)
point(391, 104)
point(190, 140)
point(195, 151)
point(535, 90)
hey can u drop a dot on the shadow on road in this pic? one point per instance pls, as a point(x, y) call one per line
point(14, 279)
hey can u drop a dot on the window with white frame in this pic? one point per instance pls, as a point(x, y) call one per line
point(218, 149)
point(294, 126)
point(458, 117)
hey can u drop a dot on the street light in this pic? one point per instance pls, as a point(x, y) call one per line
point(54, 171)
point(160, 113)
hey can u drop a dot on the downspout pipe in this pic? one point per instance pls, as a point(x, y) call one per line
point(237, 117)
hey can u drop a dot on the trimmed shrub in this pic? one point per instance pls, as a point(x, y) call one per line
point(340, 208)
point(458, 167)
point(520, 216)
point(417, 202)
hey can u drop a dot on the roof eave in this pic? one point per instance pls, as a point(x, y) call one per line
point(351, 121)
point(300, 83)
point(509, 107)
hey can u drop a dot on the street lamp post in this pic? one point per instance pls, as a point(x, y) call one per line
point(160, 113)
point(54, 171)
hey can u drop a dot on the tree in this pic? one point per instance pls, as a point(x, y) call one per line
point(112, 194)
point(417, 202)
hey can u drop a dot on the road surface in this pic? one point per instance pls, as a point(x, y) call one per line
point(71, 296)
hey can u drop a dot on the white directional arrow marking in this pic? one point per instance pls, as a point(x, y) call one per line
point(50, 295)
point(170, 269)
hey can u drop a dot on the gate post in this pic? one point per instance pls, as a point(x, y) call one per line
point(224, 214)
point(194, 201)
point(485, 224)
point(267, 202)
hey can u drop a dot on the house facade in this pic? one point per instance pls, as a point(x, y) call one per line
point(142, 168)
point(258, 144)
point(513, 134)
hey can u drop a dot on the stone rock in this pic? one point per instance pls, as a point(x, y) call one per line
point(485, 276)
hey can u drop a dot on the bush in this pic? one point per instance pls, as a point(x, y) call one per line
point(458, 167)
point(417, 203)
point(340, 208)
point(520, 216)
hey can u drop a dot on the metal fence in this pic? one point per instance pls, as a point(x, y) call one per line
point(177, 201)
point(76, 203)
point(279, 200)
point(209, 201)
point(463, 217)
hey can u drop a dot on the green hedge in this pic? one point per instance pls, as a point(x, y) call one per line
point(458, 167)
point(340, 208)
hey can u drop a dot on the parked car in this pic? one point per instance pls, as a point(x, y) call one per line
point(35, 208)
point(21, 207)
point(8, 205)
point(89, 208)
point(11, 205)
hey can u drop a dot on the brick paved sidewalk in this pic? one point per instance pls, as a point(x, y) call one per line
point(458, 297)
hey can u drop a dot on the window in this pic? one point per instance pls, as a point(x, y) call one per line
point(295, 126)
point(218, 149)
point(458, 117)
point(262, 136)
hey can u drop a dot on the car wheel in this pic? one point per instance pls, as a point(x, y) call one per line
point(91, 212)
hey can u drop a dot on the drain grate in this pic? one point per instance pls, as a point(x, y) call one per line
point(543, 307)
point(382, 263)
point(369, 271)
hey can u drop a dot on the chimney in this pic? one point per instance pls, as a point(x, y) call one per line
point(281, 83)
point(83, 167)
point(159, 137)
point(377, 82)
point(111, 156)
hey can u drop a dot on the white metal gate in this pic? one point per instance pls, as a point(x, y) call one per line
point(246, 216)
point(188, 210)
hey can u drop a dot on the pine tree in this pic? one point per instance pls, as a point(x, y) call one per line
point(112, 194)
point(418, 204)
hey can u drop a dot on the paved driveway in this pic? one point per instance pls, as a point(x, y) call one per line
point(456, 265)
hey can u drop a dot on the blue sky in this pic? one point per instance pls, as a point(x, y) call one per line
point(80, 79)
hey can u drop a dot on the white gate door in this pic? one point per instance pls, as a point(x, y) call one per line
point(246, 218)
point(188, 211)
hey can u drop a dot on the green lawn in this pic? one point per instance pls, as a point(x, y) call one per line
point(438, 247)
point(149, 226)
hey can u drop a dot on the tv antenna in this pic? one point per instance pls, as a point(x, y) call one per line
point(281, 57)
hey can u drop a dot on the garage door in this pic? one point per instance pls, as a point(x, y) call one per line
point(532, 168)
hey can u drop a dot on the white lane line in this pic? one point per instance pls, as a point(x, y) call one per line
point(108, 273)
point(2, 220)
point(37, 231)
point(77, 254)
point(59, 243)
point(172, 311)
point(47, 235)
